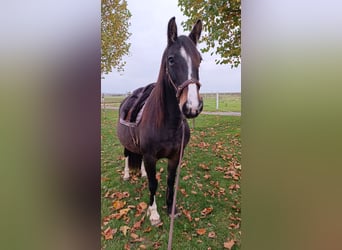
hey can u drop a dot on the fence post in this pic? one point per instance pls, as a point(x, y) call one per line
point(104, 105)
point(217, 101)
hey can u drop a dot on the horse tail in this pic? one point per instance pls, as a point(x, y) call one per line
point(134, 160)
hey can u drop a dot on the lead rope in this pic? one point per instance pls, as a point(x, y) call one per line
point(169, 246)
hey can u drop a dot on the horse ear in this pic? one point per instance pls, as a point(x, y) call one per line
point(196, 31)
point(172, 31)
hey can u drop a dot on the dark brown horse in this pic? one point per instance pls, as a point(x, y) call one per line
point(155, 131)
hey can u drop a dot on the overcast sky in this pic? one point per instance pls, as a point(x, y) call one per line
point(148, 40)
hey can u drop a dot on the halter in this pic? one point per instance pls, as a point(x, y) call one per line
point(181, 87)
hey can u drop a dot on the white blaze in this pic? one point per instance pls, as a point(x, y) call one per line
point(193, 101)
point(187, 58)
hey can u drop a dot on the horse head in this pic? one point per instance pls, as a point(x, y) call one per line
point(182, 61)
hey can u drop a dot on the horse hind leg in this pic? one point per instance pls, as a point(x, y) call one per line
point(132, 161)
point(143, 170)
point(126, 170)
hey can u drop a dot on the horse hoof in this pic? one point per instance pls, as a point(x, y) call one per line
point(126, 178)
point(154, 217)
point(177, 214)
point(155, 222)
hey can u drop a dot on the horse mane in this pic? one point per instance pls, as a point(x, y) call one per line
point(157, 98)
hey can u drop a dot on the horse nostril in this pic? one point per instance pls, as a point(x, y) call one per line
point(192, 111)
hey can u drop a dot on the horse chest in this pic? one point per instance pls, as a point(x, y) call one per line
point(168, 142)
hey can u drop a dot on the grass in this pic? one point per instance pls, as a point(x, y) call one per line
point(227, 101)
point(209, 181)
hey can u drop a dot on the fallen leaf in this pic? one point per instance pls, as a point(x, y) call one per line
point(124, 229)
point(206, 211)
point(159, 225)
point(156, 245)
point(104, 179)
point(183, 192)
point(108, 233)
point(229, 244)
point(140, 208)
point(134, 236)
point(116, 216)
point(203, 166)
point(118, 204)
point(142, 205)
point(185, 178)
point(236, 177)
point(238, 166)
point(147, 230)
point(234, 226)
point(187, 214)
point(158, 176)
point(124, 211)
point(142, 247)
point(201, 231)
point(234, 186)
point(215, 184)
point(212, 235)
point(119, 195)
point(219, 169)
point(137, 225)
point(207, 176)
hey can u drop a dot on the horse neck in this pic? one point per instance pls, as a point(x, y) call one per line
point(171, 106)
point(165, 105)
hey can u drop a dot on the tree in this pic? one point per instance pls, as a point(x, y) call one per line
point(114, 34)
point(222, 26)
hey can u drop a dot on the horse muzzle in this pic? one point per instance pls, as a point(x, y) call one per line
point(190, 101)
point(191, 111)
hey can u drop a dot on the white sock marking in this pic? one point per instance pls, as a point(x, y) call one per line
point(143, 170)
point(126, 170)
point(154, 216)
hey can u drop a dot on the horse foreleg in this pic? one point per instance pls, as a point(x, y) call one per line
point(153, 185)
point(171, 175)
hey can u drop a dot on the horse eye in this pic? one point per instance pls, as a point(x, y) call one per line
point(171, 60)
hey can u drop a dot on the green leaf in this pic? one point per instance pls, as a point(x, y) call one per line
point(221, 25)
